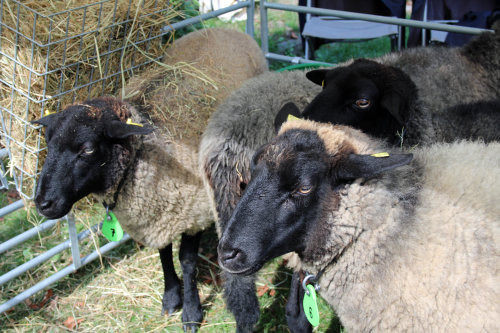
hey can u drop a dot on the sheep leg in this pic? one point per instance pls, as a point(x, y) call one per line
point(295, 316)
point(172, 295)
point(241, 300)
point(192, 314)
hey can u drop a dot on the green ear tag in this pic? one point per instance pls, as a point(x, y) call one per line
point(111, 228)
point(310, 306)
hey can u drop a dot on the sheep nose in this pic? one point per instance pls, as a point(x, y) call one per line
point(229, 256)
point(44, 205)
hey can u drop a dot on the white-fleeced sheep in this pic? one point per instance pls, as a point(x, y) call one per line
point(152, 182)
point(397, 245)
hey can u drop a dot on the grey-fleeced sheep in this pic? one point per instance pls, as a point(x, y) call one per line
point(411, 95)
point(397, 246)
point(152, 182)
point(241, 124)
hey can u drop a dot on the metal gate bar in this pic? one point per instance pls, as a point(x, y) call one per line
point(74, 238)
point(21, 238)
point(60, 274)
point(264, 33)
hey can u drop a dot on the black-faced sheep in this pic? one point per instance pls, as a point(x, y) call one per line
point(397, 246)
point(241, 124)
point(409, 95)
point(152, 182)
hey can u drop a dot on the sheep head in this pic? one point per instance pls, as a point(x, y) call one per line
point(366, 95)
point(88, 148)
point(294, 181)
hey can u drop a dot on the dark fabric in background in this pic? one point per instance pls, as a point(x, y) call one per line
point(482, 11)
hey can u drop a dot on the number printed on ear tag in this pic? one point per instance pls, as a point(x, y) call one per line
point(111, 228)
point(311, 306)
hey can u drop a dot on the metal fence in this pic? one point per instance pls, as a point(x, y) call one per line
point(264, 31)
point(20, 79)
point(39, 75)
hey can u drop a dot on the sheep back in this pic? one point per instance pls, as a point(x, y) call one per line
point(446, 76)
point(470, 121)
point(224, 53)
point(241, 124)
point(484, 52)
point(199, 72)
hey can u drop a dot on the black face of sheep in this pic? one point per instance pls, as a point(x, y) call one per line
point(82, 140)
point(366, 95)
point(279, 209)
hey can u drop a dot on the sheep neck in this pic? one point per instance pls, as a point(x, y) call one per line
point(123, 170)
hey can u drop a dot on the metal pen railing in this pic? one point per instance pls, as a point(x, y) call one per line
point(19, 174)
point(264, 30)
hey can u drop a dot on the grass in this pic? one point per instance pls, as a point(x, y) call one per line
point(122, 291)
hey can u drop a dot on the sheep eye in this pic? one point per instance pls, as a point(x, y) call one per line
point(363, 103)
point(304, 190)
point(86, 150)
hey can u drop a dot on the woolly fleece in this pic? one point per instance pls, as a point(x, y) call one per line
point(416, 249)
point(240, 125)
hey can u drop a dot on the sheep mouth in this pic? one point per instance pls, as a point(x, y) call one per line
point(55, 211)
point(245, 271)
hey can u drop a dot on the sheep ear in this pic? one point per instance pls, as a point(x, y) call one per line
point(289, 109)
point(366, 166)
point(393, 102)
point(119, 130)
point(256, 156)
point(317, 76)
point(50, 123)
point(47, 120)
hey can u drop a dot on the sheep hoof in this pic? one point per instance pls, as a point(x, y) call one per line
point(171, 302)
point(192, 317)
point(169, 311)
point(191, 327)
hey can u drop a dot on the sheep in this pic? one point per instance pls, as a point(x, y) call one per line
point(407, 96)
point(478, 119)
point(239, 127)
point(242, 123)
point(397, 246)
point(105, 147)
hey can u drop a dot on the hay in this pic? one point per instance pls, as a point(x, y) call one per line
point(179, 98)
point(58, 52)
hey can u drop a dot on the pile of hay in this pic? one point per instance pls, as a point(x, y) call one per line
point(55, 52)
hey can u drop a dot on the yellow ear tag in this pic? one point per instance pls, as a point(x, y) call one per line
point(48, 113)
point(129, 122)
point(291, 117)
point(384, 154)
point(323, 83)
